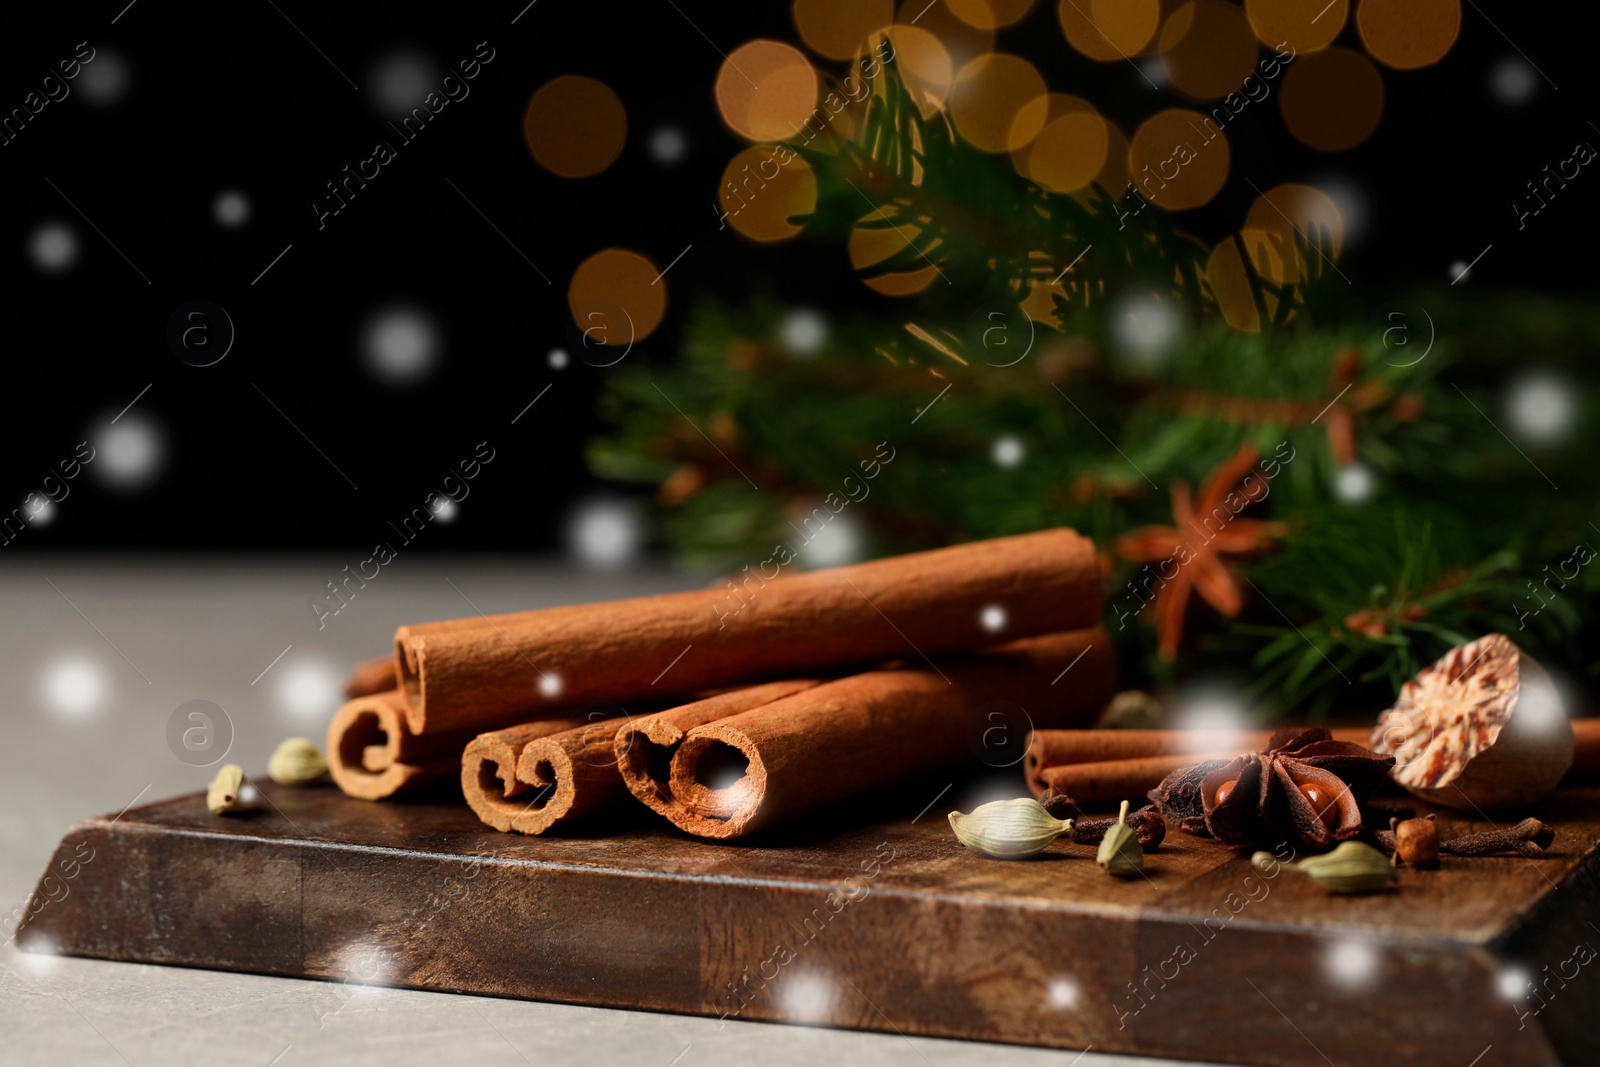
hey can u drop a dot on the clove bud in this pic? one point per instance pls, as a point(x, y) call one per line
point(1530, 837)
point(1149, 828)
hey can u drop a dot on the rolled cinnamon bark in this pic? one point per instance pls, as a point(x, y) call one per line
point(457, 673)
point(534, 777)
point(371, 676)
point(1054, 748)
point(643, 748)
point(372, 753)
point(489, 771)
point(870, 731)
point(1586, 750)
point(1113, 780)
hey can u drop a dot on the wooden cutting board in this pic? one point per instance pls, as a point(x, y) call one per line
point(890, 927)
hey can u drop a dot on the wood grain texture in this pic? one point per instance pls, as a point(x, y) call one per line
point(887, 926)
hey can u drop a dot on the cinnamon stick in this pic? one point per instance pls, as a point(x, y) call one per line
point(372, 753)
point(534, 776)
point(489, 777)
point(578, 771)
point(1092, 766)
point(643, 747)
point(832, 741)
point(458, 673)
point(1586, 753)
point(1054, 748)
point(371, 676)
point(1111, 780)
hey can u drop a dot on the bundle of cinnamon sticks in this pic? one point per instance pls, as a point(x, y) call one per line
point(823, 686)
point(1094, 767)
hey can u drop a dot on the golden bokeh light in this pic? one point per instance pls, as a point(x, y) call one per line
point(574, 126)
point(616, 297)
point(838, 29)
point(1226, 276)
point(903, 284)
point(1208, 48)
point(1332, 100)
point(1069, 151)
point(1407, 34)
point(1114, 176)
point(1273, 256)
point(924, 66)
point(963, 41)
point(1178, 159)
point(872, 241)
point(1055, 106)
point(1106, 30)
point(1301, 25)
point(1277, 216)
point(998, 102)
point(763, 187)
point(1039, 304)
point(989, 14)
point(766, 90)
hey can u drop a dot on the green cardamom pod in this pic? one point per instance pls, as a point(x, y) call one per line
point(222, 796)
point(1008, 829)
point(1120, 852)
point(1353, 867)
point(296, 762)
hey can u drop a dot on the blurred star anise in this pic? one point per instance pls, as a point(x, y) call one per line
point(1303, 785)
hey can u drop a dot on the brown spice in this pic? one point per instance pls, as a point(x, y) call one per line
point(1110, 780)
point(1530, 838)
point(840, 739)
point(1416, 841)
point(487, 672)
point(1178, 795)
point(1303, 783)
point(1148, 827)
point(370, 676)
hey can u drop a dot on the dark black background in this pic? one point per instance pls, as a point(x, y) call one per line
point(233, 96)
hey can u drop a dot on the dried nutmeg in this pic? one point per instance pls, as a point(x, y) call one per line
point(296, 761)
point(1008, 829)
point(1482, 729)
point(1353, 867)
point(1416, 842)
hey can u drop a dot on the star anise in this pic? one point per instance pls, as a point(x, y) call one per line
point(1178, 796)
point(1303, 784)
point(1197, 554)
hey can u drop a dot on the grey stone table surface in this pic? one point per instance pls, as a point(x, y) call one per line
point(99, 652)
